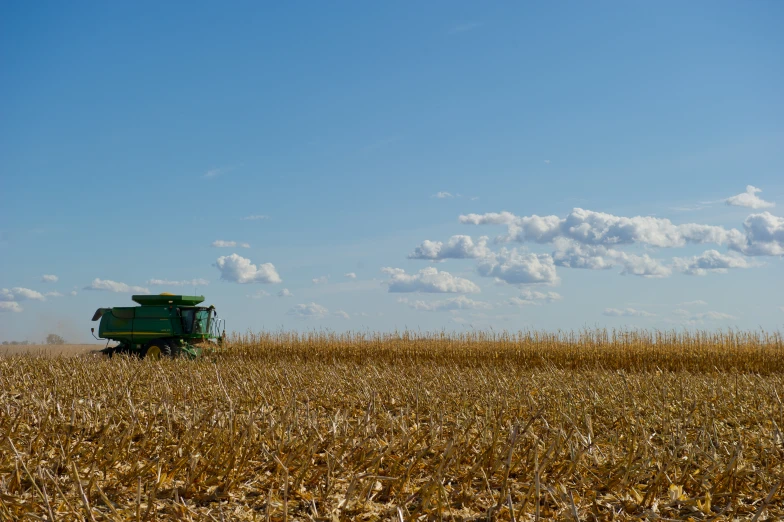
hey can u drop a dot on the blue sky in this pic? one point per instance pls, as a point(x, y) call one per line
point(134, 137)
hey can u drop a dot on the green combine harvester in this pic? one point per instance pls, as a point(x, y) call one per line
point(164, 325)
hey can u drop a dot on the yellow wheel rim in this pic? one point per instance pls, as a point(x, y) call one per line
point(154, 352)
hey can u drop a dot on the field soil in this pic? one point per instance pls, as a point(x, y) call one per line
point(65, 350)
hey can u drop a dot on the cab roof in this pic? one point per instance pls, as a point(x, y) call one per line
point(166, 299)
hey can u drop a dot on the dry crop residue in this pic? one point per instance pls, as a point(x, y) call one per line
point(591, 426)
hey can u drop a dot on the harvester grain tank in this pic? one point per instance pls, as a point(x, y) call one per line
point(163, 325)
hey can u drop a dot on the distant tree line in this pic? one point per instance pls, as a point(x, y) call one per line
point(50, 339)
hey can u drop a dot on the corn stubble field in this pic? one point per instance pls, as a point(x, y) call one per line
point(592, 425)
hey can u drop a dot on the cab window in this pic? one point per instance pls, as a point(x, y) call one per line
point(187, 316)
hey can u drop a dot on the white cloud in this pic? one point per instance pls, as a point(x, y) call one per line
point(764, 235)
point(10, 306)
point(254, 217)
point(626, 312)
point(220, 243)
point(643, 266)
point(517, 301)
point(571, 254)
point(238, 269)
point(73, 292)
point(320, 280)
point(214, 173)
point(598, 228)
point(187, 282)
point(108, 285)
point(533, 297)
point(701, 317)
point(547, 162)
point(53, 294)
point(491, 218)
point(458, 247)
point(20, 294)
point(308, 311)
point(285, 293)
point(341, 314)
point(515, 268)
point(442, 195)
point(749, 199)
point(698, 302)
point(454, 303)
point(709, 261)
point(350, 275)
point(49, 278)
point(428, 280)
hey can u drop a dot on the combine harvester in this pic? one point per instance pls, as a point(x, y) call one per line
point(164, 325)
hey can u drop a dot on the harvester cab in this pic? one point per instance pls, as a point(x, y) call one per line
point(163, 325)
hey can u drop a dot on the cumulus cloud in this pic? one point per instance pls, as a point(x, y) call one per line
point(457, 247)
point(598, 228)
point(10, 306)
point(532, 297)
point(764, 235)
point(108, 285)
point(626, 312)
point(569, 253)
point(220, 243)
point(428, 280)
point(320, 280)
point(49, 278)
point(710, 261)
point(454, 303)
point(442, 195)
point(187, 282)
point(516, 268)
point(22, 294)
point(698, 302)
point(214, 173)
point(238, 269)
point(308, 311)
point(643, 266)
point(285, 293)
point(749, 199)
point(341, 314)
point(350, 275)
point(701, 317)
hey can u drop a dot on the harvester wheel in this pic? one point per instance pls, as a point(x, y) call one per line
point(156, 349)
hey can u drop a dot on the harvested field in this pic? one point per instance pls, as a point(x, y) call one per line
point(281, 426)
point(66, 350)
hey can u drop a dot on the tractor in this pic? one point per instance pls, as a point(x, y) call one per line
point(165, 325)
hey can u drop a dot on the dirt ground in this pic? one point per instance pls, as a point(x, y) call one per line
point(66, 350)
